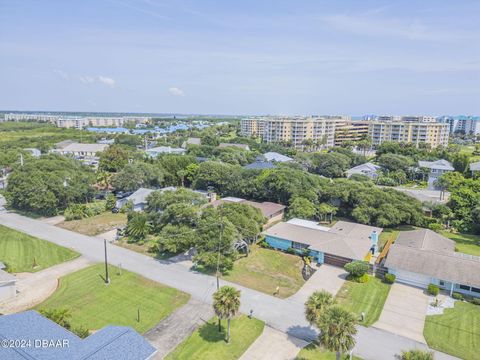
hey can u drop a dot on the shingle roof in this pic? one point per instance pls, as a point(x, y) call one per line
point(363, 168)
point(139, 196)
point(475, 166)
point(349, 240)
point(274, 156)
point(260, 165)
point(267, 208)
point(426, 252)
point(438, 165)
point(111, 342)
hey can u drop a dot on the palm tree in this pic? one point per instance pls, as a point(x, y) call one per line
point(337, 330)
point(226, 302)
point(138, 226)
point(316, 304)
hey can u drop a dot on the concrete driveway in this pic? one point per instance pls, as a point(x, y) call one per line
point(404, 312)
point(327, 277)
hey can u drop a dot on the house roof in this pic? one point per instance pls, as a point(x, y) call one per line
point(62, 144)
point(274, 156)
point(267, 208)
point(437, 165)
point(426, 252)
point(78, 147)
point(475, 166)
point(192, 141)
point(6, 277)
point(165, 150)
point(111, 342)
point(346, 239)
point(363, 169)
point(139, 196)
point(241, 146)
point(260, 165)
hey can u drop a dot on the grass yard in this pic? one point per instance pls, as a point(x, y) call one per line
point(465, 243)
point(368, 297)
point(265, 269)
point(143, 249)
point(456, 331)
point(96, 224)
point(206, 343)
point(314, 352)
point(95, 305)
point(25, 253)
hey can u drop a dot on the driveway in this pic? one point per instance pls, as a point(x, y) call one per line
point(171, 331)
point(327, 277)
point(274, 345)
point(33, 288)
point(404, 312)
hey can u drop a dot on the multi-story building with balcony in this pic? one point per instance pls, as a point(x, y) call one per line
point(350, 131)
point(469, 125)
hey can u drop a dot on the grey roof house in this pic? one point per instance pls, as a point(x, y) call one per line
point(46, 340)
point(154, 152)
point(191, 141)
point(274, 156)
point(260, 165)
point(436, 169)
point(420, 257)
point(367, 169)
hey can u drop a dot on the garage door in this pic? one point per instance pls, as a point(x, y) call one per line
point(336, 260)
point(411, 278)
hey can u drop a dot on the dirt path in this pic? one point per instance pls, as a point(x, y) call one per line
point(33, 288)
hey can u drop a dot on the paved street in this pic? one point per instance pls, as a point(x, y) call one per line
point(285, 315)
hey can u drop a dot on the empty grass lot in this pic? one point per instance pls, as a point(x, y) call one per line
point(206, 343)
point(465, 243)
point(265, 269)
point(95, 305)
point(314, 352)
point(456, 331)
point(368, 297)
point(96, 224)
point(25, 253)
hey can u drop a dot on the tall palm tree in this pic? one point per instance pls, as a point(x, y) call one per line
point(226, 302)
point(316, 304)
point(337, 330)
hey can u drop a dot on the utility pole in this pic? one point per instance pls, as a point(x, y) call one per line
point(107, 279)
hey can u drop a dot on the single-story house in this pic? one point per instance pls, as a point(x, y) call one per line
point(7, 284)
point(272, 211)
point(191, 141)
point(338, 245)
point(437, 169)
point(367, 169)
point(63, 144)
point(260, 165)
point(81, 150)
point(274, 156)
point(154, 152)
point(474, 167)
point(240, 146)
point(35, 152)
point(45, 339)
point(422, 257)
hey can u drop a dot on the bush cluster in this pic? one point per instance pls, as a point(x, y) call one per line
point(433, 289)
point(389, 278)
point(457, 296)
point(82, 211)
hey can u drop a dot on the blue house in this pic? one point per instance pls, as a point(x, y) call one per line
point(29, 336)
point(338, 245)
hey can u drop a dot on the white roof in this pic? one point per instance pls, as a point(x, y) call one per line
point(274, 156)
point(308, 224)
point(438, 165)
point(363, 169)
point(475, 166)
point(140, 196)
point(233, 199)
point(165, 150)
point(77, 147)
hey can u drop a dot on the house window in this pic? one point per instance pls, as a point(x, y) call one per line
point(441, 283)
point(299, 246)
point(464, 287)
point(474, 289)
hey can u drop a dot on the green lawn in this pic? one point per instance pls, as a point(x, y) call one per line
point(392, 233)
point(95, 305)
point(206, 343)
point(456, 331)
point(465, 243)
point(314, 352)
point(25, 253)
point(96, 224)
point(265, 269)
point(368, 297)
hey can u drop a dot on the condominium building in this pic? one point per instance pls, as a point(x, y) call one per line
point(434, 134)
point(30, 117)
point(405, 118)
point(469, 125)
point(252, 127)
point(348, 131)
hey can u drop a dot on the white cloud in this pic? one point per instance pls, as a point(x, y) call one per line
point(87, 79)
point(106, 80)
point(61, 74)
point(176, 91)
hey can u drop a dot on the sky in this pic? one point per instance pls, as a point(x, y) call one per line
point(241, 57)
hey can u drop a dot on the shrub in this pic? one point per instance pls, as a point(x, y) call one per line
point(357, 268)
point(264, 244)
point(362, 279)
point(291, 251)
point(435, 227)
point(127, 207)
point(389, 278)
point(81, 211)
point(417, 355)
point(475, 301)
point(110, 202)
point(457, 296)
point(81, 332)
point(433, 289)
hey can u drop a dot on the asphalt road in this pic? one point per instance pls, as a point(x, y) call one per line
point(286, 315)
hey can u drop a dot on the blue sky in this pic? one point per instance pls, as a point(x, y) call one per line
point(241, 57)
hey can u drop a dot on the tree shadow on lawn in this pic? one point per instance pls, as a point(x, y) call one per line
point(209, 332)
point(306, 333)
